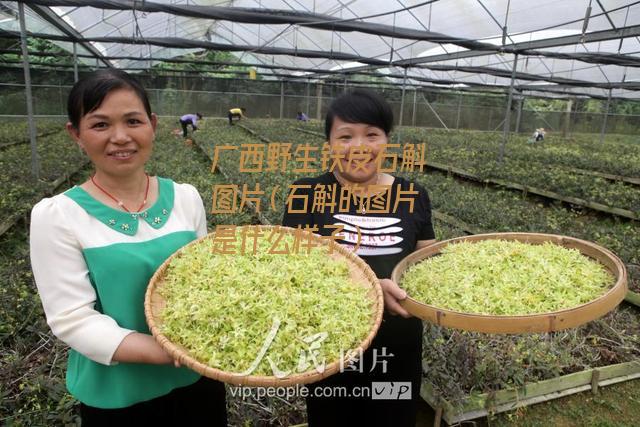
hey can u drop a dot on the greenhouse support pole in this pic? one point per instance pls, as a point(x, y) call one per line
point(574, 115)
point(415, 102)
point(35, 163)
point(281, 99)
point(459, 107)
point(319, 101)
point(308, 112)
point(75, 63)
point(507, 118)
point(567, 118)
point(604, 119)
point(404, 82)
point(519, 115)
point(158, 103)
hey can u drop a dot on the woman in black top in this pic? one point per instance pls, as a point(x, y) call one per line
point(360, 122)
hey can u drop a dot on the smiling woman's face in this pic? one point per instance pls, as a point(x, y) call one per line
point(344, 137)
point(118, 135)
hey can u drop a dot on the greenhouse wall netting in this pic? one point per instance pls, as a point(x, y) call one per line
point(174, 95)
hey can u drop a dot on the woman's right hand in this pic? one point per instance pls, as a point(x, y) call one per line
point(393, 294)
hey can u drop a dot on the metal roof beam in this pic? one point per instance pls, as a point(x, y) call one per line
point(529, 47)
point(51, 17)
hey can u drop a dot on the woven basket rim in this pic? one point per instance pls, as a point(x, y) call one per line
point(611, 298)
point(310, 376)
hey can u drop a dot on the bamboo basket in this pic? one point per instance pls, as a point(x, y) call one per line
point(360, 272)
point(534, 323)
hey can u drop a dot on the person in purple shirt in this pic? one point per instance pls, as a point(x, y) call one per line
point(189, 119)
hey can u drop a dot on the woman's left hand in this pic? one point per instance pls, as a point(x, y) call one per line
point(392, 297)
point(143, 348)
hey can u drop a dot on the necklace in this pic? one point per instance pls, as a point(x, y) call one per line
point(363, 210)
point(119, 202)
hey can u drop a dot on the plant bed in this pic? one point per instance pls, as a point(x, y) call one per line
point(481, 405)
point(470, 375)
point(58, 157)
point(633, 296)
point(455, 156)
point(541, 192)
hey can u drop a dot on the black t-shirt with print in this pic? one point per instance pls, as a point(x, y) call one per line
point(385, 238)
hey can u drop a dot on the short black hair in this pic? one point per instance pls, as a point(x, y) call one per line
point(199, 115)
point(89, 92)
point(360, 106)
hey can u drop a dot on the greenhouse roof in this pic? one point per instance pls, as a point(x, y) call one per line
point(571, 47)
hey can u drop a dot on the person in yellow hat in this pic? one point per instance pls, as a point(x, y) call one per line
point(236, 113)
